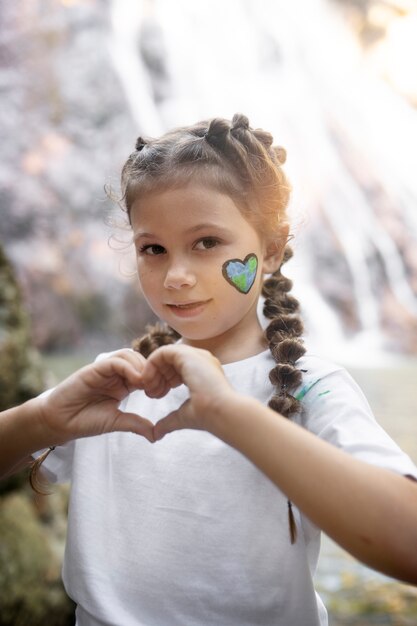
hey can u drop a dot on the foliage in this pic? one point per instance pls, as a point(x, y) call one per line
point(21, 375)
point(20, 370)
point(30, 590)
point(364, 603)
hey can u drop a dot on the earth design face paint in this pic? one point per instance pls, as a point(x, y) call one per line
point(241, 274)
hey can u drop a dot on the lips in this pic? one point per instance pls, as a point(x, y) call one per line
point(187, 309)
point(186, 305)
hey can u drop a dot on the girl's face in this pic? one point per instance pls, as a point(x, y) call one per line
point(183, 238)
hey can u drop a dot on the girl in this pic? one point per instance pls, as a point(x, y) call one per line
point(188, 531)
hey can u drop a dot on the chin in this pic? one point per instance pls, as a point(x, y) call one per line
point(196, 337)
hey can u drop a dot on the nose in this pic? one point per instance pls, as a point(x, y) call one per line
point(179, 275)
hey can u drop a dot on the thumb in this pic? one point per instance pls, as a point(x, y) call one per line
point(133, 423)
point(179, 419)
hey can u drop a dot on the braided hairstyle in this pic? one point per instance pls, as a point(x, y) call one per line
point(241, 162)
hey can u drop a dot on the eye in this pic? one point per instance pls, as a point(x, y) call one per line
point(206, 243)
point(152, 249)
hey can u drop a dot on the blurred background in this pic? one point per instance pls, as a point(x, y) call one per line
point(335, 81)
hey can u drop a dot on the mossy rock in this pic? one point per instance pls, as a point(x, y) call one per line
point(31, 592)
point(364, 603)
point(21, 373)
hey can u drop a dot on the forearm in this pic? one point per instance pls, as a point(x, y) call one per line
point(369, 511)
point(21, 434)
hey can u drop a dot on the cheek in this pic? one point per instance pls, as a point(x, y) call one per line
point(147, 278)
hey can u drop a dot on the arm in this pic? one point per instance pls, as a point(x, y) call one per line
point(369, 511)
point(84, 404)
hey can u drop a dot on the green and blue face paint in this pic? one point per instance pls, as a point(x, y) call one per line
point(241, 274)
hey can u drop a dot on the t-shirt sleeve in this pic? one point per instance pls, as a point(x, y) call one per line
point(57, 467)
point(336, 410)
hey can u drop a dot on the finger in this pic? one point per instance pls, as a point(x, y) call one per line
point(116, 360)
point(97, 375)
point(179, 419)
point(159, 376)
point(186, 364)
point(137, 359)
point(153, 382)
point(157, 382)
point(166, 425)
point(130, 375)
point(168, 360)
point(131, 359)
point(133, 423)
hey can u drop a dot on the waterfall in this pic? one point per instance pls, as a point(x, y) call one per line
point(126, 18)
point(295, 69)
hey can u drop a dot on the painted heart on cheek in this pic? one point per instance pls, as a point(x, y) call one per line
point(241, 274)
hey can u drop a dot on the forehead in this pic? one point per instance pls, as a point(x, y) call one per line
point(186, 205)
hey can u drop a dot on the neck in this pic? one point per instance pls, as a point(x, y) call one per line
point(242, 346)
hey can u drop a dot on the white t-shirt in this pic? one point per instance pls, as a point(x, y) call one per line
point(187, 532)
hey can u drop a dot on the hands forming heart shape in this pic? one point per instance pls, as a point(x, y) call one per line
point(199, 370)
point(87, 402)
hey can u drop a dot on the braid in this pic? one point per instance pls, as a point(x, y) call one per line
point(36, 480)
point(247, 150)
point(220, 136)
point(140, 144)
point(283, 336)
point(158, 335)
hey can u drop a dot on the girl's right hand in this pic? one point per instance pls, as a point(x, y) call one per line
point(86, 403)
point(173, 365)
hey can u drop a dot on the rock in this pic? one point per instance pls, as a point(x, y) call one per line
point(30, 588)
point(31, 591)
point(21, 375)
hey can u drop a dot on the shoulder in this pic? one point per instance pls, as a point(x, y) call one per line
point(313, 369)
point(316, 372)
point(328, 390)
point(335, 408)
point(313, 364)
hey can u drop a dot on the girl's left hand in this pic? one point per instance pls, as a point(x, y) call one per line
point(201, 372)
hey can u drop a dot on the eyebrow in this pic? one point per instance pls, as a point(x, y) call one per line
point(207, 226)
point(192, 230)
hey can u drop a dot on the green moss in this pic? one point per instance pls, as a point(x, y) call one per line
point(21, 375)
point(361, 602)
point(30, 589)
point(31, 592)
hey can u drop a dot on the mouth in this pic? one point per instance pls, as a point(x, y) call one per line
point(186, 309)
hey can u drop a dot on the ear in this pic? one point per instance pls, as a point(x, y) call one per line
point(275, 251)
